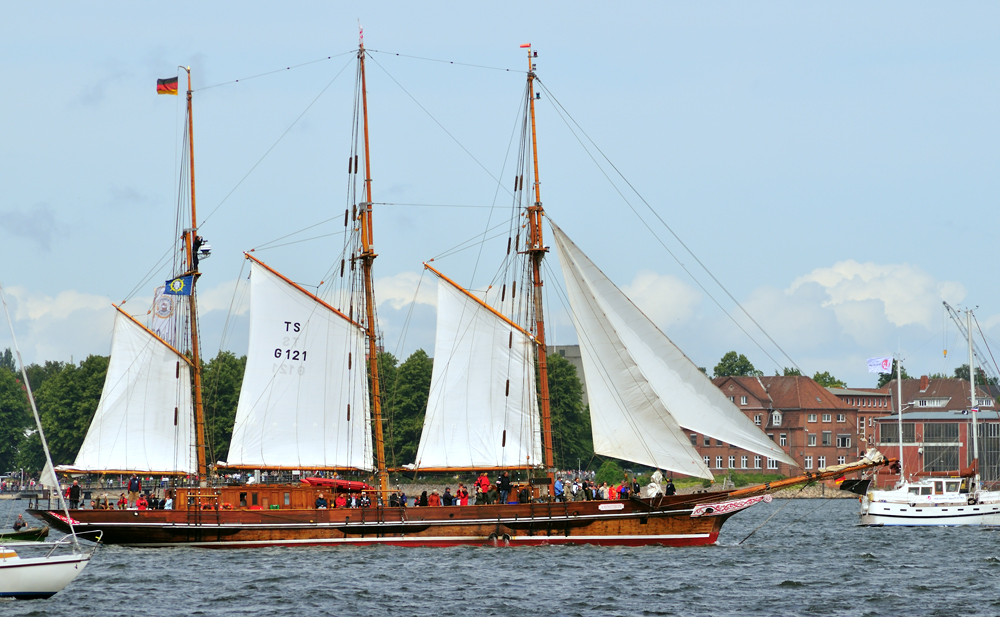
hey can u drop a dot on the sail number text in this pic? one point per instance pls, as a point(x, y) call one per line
point(290, 354)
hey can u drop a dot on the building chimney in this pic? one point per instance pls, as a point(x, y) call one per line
point(924, 382)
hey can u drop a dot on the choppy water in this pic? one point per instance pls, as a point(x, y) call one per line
point(809, 559)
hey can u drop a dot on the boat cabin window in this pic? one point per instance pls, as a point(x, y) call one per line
point(253, 499)
point(965, 486)
point(951, 487)
point(938, 488)
point(243, 500)
point(926, 490)
point(288, 499)
point(914, 490)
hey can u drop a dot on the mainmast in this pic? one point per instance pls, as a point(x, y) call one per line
point(973, 406)
point(367, 257)
point(190, 246)
point(536, 249)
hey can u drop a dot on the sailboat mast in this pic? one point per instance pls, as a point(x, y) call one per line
point(367, 257)
point(189, 238)
point(536, 249)
point(899, 413)
point(972, 398)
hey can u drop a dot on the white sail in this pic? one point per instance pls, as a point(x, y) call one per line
point(642, 388)
point(304, 400)
point(144, 420)
point(482, 410)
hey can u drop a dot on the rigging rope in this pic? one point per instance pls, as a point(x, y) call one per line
point(287, 68)
point(475, 66)
point(560, 109)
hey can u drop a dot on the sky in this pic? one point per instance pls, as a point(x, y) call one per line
point(832, 167)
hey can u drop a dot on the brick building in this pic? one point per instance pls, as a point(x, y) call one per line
point(808, 421)
point(937, 435)
point(870, 404)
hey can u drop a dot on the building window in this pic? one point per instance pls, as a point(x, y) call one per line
point(841, 417)
point(782, 440)
point(732, 462)
point(743, 462)
point(743, 400)
point(708, 461)
point(827, 438)
point(843, 441)
point(756, 419)
point(812, 439)
point(756, 462)
point(719, 442)
point(822, 462)
point(694, 439)
point(809, 462)
point(718, 462)
point(707, 440)
point(889, 432)
point(841, 460)
point(770, 436)
point(772, 463)
point(827, 417)
point(776, 418)
point(811, 417)
point(732, 398)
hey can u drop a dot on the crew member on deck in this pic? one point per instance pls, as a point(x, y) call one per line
point(321, 502)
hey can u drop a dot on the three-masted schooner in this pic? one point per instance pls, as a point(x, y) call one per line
point(307, 403)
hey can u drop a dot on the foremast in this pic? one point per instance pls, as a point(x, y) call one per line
point(190, 249)
point(973, 403)
point(536, 251)
point(367, 256)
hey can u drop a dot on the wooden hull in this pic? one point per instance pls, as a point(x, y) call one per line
point(665, 521)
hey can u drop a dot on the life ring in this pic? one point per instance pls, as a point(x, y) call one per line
point(227, 506)
point(972, 501)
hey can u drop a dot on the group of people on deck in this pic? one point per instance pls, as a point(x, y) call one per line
point(485, 492)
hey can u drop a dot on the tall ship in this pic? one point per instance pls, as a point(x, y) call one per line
point(312, 400)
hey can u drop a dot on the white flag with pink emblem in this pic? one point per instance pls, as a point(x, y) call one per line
point(880, 365)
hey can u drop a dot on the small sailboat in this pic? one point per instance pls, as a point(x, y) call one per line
point(35, 570)
point(956, 499)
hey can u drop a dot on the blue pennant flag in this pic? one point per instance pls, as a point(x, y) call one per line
point(180, 286)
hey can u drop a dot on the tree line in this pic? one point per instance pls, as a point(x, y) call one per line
point(67, 396)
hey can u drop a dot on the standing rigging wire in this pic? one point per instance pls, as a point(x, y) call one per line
point(564, 114)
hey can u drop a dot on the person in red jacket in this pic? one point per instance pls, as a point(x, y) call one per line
point(483, 483)
point(340, 501)
point(434, 499)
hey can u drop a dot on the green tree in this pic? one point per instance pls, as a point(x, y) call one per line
point(221, 380)
point(13, 414)
point(7, 361)
point(610, 472)
point(827, 380)
point(572, 439)
point(407, 396)
point(67, 402)
point(733, 364)
point(962, 372)
point(791, 372)
point(37, 375)
point(885, 378)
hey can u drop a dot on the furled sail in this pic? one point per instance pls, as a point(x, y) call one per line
point(642, 388)
point(482, 410)
point(144, 420)
point(304, 399)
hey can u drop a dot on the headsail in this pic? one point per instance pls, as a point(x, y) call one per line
point(642, 388)
point(143, 420)
point(304, 400)
point(482, 410)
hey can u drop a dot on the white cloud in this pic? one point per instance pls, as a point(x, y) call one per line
point(231, 295)
point(35, 306)
point(902, 294)
point(662, 297)
point(401, 289)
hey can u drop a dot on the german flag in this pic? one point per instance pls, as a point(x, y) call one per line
point(167, 86)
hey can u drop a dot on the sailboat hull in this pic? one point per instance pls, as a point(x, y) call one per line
point(878, 513)
point(38, 577)
point(637, 522)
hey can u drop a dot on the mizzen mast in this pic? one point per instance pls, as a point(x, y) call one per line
point(191, 246)
point(536, 250)
point(367, 256)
